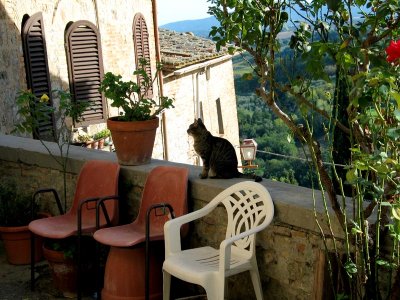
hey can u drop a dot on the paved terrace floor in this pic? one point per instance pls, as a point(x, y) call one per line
point(15, 281)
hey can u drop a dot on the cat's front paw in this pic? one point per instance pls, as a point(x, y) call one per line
point(203, 176)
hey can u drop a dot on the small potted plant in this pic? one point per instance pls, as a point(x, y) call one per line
point(106, 133)
point(133, 131)
point(101, 136)
point(83, 139)
point(15, 214)
point(61, 256)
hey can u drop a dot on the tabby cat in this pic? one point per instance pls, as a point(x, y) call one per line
point(218, 154)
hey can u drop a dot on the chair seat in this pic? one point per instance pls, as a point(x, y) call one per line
point(205, 261)
point(59, 227)
point(127, 235)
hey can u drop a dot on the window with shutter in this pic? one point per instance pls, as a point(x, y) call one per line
point(85, 69)
point(142, 47)
point(36, 68)
point(219, 115)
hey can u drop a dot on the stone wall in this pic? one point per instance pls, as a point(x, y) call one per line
point(114, 21)
point(288, 251)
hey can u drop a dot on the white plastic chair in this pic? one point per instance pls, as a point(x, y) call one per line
point(249, 209)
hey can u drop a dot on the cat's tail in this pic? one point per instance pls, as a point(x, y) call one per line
point(250, 176)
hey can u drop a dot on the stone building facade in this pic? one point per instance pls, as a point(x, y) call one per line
point(201, 81)
point(113, 21)
point(202, 85)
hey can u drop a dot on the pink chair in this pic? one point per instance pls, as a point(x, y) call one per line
point(165, 187)
point(98, 180)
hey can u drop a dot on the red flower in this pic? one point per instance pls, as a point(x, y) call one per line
point(393, 51)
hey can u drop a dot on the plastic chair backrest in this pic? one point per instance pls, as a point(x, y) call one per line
point(248, 205)
point(164, 184)
point(97, 179)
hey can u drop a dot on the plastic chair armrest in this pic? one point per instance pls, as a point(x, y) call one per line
point(84, 202)
point(172, 229)
point(100, 204)
point(225, 246)
point(47, 190)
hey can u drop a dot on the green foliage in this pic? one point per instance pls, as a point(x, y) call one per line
point(34, 110)
point(339, 97)
point(15, 205)
point(102, 134)
point(131, 97)
point(258, 122)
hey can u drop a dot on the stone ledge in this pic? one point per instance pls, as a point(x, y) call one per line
point(293, 204)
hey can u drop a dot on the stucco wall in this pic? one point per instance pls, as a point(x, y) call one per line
point(288, 251)
point(205, 85)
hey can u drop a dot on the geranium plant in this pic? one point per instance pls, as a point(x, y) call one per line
point(132, 97)
point(393, 52)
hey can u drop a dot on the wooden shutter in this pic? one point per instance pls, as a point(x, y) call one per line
point(85, 69)
point(142, 46)
point(36, 68)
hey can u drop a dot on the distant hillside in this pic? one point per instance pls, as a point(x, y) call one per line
point(199, 27)
point(202, 27)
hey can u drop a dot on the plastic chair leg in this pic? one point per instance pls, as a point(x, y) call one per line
point(166, 285)
point(97, 271)
point(164, 206)
point(255, 278)
point(215, 291)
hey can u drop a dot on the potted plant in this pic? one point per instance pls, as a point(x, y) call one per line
point(15, 214)
point(101, 136)
point(133, 131)
point(84, 138)
point(61, 257)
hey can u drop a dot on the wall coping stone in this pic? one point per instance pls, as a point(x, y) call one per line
point(293, 204)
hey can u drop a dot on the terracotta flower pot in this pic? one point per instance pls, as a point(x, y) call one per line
point(17, 242)
point(64, 271)
point(124, 277)
point(101, 143)
point(133, 141)
point(95, 144)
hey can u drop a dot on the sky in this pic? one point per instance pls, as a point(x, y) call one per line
point(180, 10)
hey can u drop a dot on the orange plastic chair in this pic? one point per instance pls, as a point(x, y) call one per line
point(97, 181)
point(165, 187)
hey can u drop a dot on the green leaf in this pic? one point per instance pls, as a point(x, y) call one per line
point(396, 212)
point(350, 268)
point(396, 97)
point(397, 114)
point(247, 76)
point(351, 175)
point(355, 231)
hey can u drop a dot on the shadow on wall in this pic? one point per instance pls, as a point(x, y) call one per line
point(82, 62)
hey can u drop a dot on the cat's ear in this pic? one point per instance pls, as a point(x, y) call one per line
point(199, 120)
